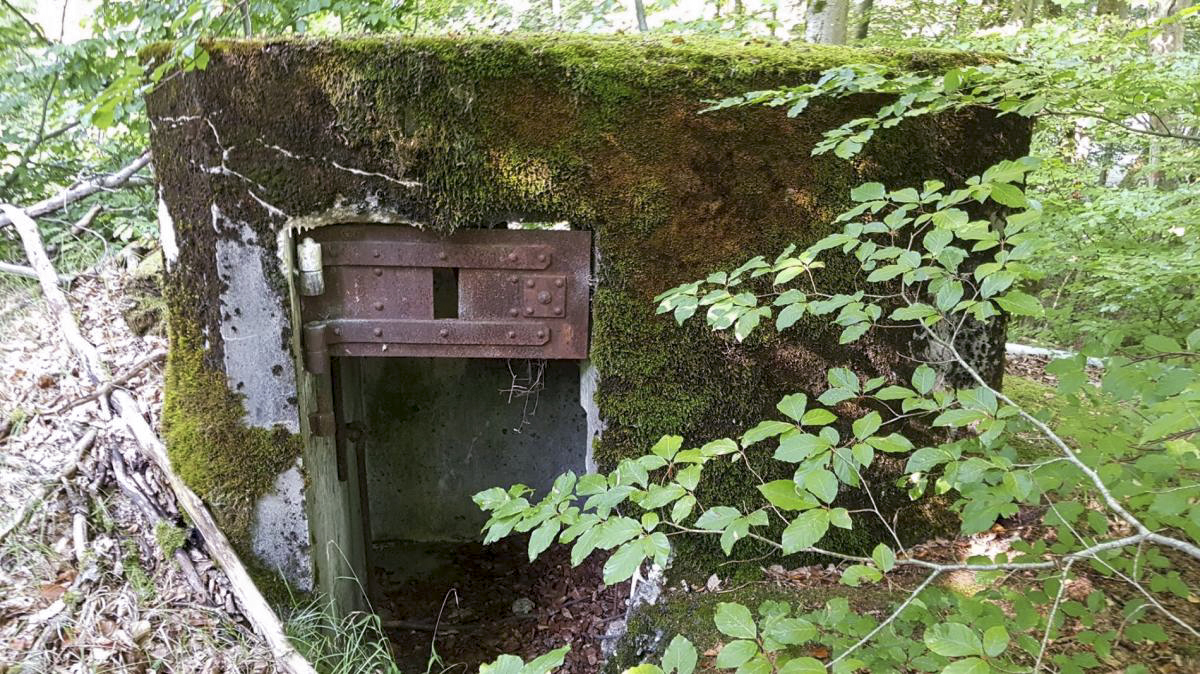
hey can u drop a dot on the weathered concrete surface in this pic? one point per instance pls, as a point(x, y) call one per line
point(261, 370)
point(280, 532)
point(440, 430)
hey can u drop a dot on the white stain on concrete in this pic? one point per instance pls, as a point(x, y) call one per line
point(589, 379)
point(166, 233)
point(280, 532)
point(259, 367)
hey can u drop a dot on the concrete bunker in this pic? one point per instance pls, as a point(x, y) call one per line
point(282, 140)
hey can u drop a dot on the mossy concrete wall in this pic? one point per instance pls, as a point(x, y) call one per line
point(446, 133)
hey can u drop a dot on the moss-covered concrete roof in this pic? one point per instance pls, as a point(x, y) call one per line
point(689, 62)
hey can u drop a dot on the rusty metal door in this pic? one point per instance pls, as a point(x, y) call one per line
point(389, 290)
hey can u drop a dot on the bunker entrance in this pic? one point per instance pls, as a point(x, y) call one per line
point(447, 366)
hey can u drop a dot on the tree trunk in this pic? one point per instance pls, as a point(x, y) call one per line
point(864, 19)
point(639, 8)
point(825, 21)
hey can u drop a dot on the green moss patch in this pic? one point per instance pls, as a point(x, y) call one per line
point(228, 464)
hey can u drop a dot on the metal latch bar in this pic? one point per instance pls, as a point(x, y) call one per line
point(425, 254)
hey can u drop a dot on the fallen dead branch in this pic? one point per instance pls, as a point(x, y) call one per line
point(119, 380)
point(39, 495)
point(254, 606)
point(122, 178)
point(28, 272)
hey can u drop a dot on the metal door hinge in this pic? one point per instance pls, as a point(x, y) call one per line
point(309, 263)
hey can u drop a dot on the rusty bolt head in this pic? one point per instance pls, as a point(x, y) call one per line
point(512, 334)
point(512, 257)
point(545, 297)
point(558, 311)
point(378, 332)
point(379, 306)
point(541, 257)
point(444, 332)
point(513, 278)
point(377, 271)
point(337, 331)
point(541, 334)
point(513, 312)
point(442, 255)
point(529, 283)
point(375, 253)
point(558, 283)
point(528, 311)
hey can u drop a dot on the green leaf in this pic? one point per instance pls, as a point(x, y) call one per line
point(923, 379)
point(1017, 302)
point(952, 80)
point(719, 447)
point(953, 640)
point(793, 405)
point(783, 494)
point(884, 558)
point(866, 426)
point(764, 430)
point(736, 653)
point(854, 575)
point(958, 417)
point(853, 332)
point(683, 508)
point(995, 640)
point(796, 446)
point(804, 531)
point(840, 517)
point(804, 665)
point(624, 562)
point(818, 417)
point(505, 664)
point(967, 666)
point(791, 631)
point(1008, 195)
point(716, 519)
point(680, 656)
point(822, 483)
point(542, 537)
point(548, 662)
point(789, 315)
point(893, 443)
point(667, 446)
point(1161, 344)
point(868, 192)
point(735, 620)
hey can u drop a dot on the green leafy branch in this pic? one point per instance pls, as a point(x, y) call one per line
point(931, 268)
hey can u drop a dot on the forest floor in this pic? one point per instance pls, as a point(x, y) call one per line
point(99, 574)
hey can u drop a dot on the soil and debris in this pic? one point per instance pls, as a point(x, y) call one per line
point(472, 603)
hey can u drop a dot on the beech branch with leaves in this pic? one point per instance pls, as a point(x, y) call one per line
point(1116, 504)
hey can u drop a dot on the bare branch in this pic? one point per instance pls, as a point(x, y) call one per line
point(37, 30)
point(86, 188)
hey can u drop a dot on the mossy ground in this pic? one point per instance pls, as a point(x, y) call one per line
point(603, 132)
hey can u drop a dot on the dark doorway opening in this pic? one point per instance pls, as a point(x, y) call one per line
point(429, 433)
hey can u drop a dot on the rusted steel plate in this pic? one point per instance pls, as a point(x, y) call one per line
point(521, 294)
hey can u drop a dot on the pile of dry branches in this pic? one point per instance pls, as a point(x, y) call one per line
point(109, 561)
